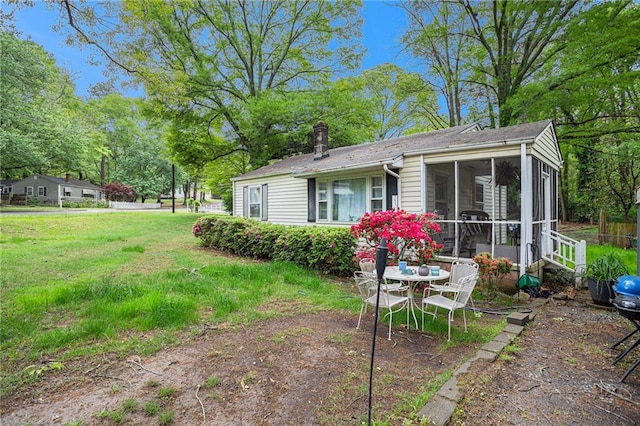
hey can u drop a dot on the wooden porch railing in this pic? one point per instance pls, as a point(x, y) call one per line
point(565, 252)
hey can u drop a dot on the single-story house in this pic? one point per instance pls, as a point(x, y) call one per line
point(6, 187)
point(493, 190)
point(52, 190)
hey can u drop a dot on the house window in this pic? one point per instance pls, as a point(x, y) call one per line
point(66, 192)
point(255, 202)
point(376, 194)
point(479, 196)
point(349, 199)
point(323, 200)
point(42, 191)
point(28, 190)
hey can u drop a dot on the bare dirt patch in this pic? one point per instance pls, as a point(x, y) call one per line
point(562, 374)
point(302, 369)
point(312, 369)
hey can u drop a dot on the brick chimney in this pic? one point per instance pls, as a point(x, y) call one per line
point(320, 141)
point(68, 177)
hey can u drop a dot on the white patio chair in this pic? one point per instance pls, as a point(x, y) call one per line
point(368, 265)
point(459, 300)
point(459, 270)
point(368, 288)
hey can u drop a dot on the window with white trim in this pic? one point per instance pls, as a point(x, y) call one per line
point(323, 201)
point(255, 202)
point(479, 195)
point(347, 200)
point(28, 190)
point(42, 191)
point(377, 194)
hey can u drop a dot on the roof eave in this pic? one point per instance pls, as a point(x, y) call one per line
point(380, 163)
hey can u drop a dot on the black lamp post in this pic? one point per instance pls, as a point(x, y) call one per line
point(381, 263)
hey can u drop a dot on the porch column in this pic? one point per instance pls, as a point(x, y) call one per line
point(526, 207)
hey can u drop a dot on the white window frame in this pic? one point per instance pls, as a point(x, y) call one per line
point(372, 193)
point(258, 203)
point(323, 200)
point(41, 191)
point(29, 191)
point(479, 195)
point(326, 187)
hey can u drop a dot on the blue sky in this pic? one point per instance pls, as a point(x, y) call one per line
point(383, 25)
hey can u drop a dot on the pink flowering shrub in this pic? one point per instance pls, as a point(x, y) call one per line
point(491, 270)
point(408, 235)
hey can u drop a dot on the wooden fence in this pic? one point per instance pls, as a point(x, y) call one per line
point(619, 234)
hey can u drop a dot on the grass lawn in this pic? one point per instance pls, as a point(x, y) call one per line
point(73, 284)
point(628, 257)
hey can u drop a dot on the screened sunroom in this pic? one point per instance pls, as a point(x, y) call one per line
point(502, 199)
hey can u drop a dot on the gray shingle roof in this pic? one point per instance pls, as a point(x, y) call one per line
point(72, 182)
point(386, 151)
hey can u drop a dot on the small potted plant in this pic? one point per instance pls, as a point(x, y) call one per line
point(602, 274)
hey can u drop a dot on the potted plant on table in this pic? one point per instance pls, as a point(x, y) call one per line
point(601, 276)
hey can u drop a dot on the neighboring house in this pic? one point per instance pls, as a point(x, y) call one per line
point(51, 190)
point(6, 188)
point(493, 190)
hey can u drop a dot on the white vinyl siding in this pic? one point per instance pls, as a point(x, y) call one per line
point(286, 200)
point(546, 148)
point(410, 184)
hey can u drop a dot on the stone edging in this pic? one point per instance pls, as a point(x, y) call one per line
point(441, 406)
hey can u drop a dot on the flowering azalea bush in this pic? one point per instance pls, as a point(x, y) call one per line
point(491, 269)
point(408, 235)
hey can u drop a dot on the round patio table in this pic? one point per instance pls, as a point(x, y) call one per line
point(393, 273)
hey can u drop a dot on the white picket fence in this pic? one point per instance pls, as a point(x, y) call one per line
point(133, 206)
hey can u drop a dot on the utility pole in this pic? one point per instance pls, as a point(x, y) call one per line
point(173, 188)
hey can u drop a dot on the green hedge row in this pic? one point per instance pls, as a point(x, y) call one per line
point(328, 250)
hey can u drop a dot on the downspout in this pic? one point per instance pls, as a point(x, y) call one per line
point(397, 176)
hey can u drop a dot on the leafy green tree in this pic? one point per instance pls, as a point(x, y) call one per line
point(144, 168)
point(209, 60)
point(41, 130)
point(593, 91)
point(513, 40)
point(437, 35)
point(401, 102)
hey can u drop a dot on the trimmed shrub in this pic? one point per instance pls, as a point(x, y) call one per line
point(328, 250)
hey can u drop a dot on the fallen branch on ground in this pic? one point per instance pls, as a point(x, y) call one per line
point(204, 416)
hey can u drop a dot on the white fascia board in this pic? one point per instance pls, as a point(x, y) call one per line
point(344, 168)
point(468, 147)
